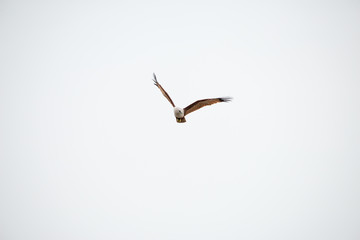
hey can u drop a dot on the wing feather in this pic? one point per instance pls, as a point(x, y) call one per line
point(204, 102)
point(162, 90)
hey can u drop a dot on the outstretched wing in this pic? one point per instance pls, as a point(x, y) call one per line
point(162, 90)
point(204, 102)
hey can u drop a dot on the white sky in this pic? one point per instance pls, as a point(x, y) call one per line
point(90, 149)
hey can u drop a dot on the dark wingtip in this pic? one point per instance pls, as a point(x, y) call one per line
point(155, 80)
point(225, 99)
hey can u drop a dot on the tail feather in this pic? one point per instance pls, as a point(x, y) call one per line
point(181, 120)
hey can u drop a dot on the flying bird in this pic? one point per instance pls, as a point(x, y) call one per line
point(179, 112)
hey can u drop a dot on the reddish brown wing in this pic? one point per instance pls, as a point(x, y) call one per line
point(202, 103)
point(162, 90)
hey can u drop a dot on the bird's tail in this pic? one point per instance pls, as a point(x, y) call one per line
point(181, 120)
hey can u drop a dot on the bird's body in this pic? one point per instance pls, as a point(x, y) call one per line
point(179, 112)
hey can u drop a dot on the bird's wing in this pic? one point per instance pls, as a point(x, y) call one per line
point(162, 90)
point(204, 102)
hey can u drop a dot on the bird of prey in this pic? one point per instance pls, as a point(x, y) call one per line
point(179, 112)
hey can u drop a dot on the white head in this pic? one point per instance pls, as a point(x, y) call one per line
point(178, 112)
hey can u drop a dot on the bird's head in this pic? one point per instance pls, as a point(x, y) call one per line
point(179, 112)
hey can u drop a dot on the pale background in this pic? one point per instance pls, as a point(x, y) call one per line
point(90, 148)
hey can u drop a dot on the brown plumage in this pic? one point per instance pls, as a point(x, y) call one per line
point(202, 103)
point(180, 113)
point(162, 90)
